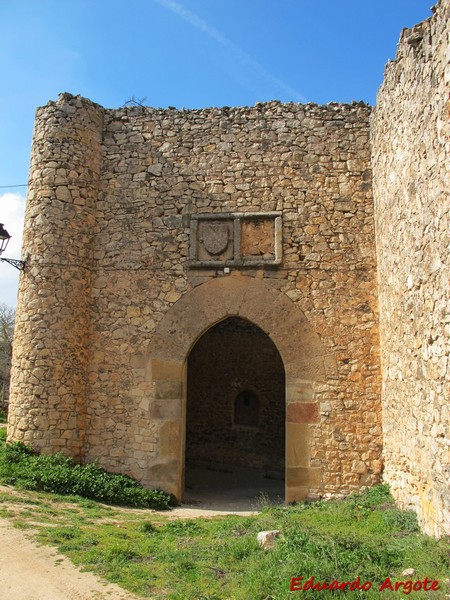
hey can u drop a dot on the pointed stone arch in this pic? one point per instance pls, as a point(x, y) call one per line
point(300, 348)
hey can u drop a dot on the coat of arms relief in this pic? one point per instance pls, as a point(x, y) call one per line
point(215, 239)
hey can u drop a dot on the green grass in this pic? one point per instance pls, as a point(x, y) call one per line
point(219, 558)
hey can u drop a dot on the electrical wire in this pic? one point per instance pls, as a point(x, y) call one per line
point(11, 186)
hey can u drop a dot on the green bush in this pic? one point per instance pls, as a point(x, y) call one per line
point(58, 474)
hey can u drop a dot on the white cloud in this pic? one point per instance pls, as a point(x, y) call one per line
point(253, 68)
point(12, 209)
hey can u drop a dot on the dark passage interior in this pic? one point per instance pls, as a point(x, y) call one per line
point(235, 421)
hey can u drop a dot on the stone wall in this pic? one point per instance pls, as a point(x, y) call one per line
point(146, 227)
point(411, 165)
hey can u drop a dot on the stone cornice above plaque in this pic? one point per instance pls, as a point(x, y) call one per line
point(235, 239)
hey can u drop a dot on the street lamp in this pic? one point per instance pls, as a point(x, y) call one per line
point(4, 239)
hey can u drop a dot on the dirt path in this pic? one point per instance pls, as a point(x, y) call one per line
point(30, 571)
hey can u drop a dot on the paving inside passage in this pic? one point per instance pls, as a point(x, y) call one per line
point(231, 489)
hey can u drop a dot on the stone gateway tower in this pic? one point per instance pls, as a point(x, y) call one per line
point(204, 285)
point(146, 229)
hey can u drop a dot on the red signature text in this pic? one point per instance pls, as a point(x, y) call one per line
point(298, 584)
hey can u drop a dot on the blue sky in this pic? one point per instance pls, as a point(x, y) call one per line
point(182, 53)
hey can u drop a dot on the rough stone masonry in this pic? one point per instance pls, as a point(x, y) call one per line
point(154, 236)
point(410, 133)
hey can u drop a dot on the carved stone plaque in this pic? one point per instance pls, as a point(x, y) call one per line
point(258, 239)
point(235, 239)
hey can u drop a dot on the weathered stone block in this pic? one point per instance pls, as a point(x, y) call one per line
point(167, 390)
point(296, 494)
point(163, 370)
point(297, 444)
point(299, 391)
point(302, 412)
point(303, 476)
point(165, 409)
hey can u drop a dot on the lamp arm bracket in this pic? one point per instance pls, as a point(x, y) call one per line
point(18, 264)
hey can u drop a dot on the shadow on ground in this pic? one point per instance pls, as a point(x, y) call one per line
point(231, 489)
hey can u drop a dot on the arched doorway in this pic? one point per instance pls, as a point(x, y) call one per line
point(235, 414)
point(304, 358)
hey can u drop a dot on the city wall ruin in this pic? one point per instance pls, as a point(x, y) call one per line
point(410, 132)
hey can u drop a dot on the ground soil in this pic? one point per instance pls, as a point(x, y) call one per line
point(30, 571)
